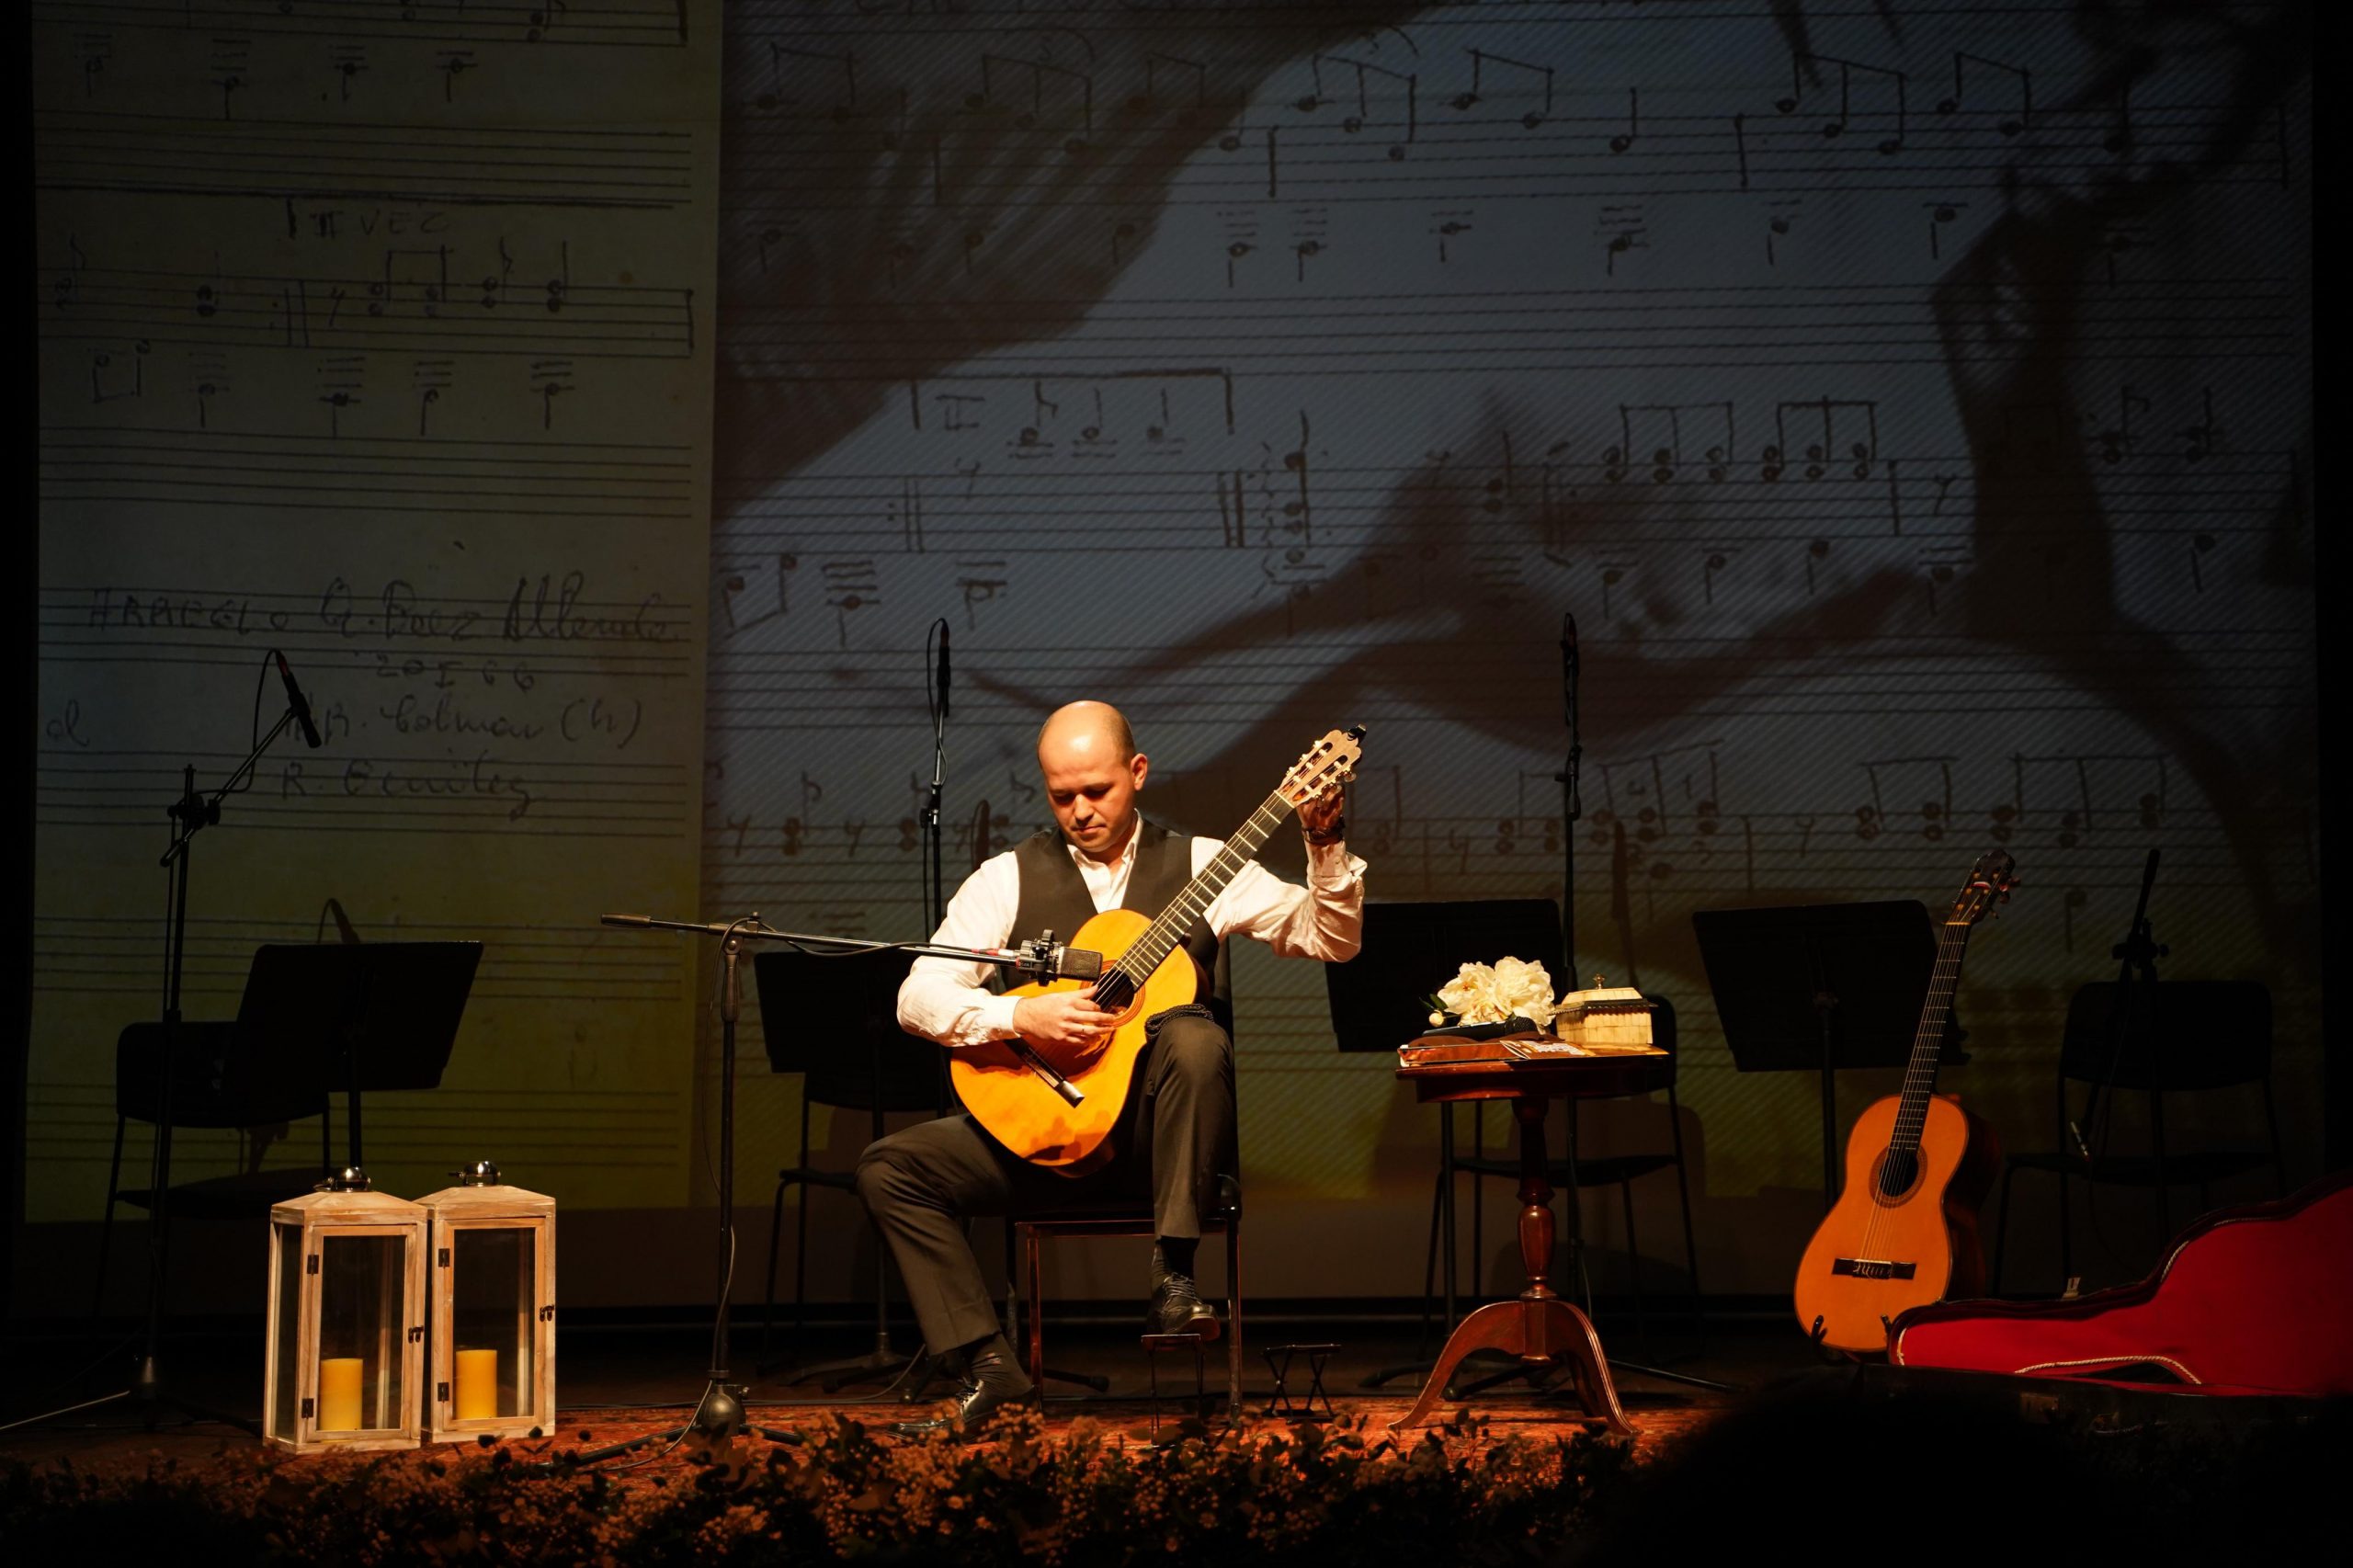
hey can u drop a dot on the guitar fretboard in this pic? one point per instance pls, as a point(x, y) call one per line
point(1920, 1072)
point(1168, 928)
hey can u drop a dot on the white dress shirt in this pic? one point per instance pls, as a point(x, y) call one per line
point(947, 1000)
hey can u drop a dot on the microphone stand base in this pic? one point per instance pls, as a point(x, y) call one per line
point(709, 1434)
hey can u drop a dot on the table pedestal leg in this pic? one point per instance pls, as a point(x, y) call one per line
point(1540, 1328)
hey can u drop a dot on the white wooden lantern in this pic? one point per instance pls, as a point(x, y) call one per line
point(493, 1309)
point(347, 1319)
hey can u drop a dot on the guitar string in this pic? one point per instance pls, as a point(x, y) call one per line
point(1928, 1040)
point(1168, 929)
point(1939, 974)
point(1919, 1075)
point(1161, 936)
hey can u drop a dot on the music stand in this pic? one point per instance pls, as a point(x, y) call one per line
point(1819, 988)
point(367, 1016)
point(835, 1020)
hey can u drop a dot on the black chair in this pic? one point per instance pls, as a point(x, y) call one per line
point(1411, 950)
point(835, 1020)
point(221, 1078)
point(1121, 1217)
point(2179, 1036)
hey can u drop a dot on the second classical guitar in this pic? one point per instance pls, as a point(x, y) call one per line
point(1006, 1085)
point(1903, 1232)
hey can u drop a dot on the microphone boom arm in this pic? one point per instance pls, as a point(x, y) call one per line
point(1041, 959)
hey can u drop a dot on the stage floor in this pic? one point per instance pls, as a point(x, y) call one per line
point(2158, 1468)
point(616, 1382)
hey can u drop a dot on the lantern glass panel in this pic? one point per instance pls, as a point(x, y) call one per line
point(495, 1292)
point(363, 1326)
point(288, 1308)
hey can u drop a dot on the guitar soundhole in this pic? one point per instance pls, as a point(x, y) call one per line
point(1114, 992)
point(1897, 1171)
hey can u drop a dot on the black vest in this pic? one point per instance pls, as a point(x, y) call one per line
point(1053, 895)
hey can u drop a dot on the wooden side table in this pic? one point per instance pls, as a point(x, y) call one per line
point(1538, 1327)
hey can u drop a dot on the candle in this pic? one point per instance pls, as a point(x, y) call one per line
point(477, 1385)
point(339, 1394)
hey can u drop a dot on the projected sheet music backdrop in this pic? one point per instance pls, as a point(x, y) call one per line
point(1911, 403)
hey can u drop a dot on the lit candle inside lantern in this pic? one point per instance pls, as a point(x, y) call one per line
point(477, 1385)
point(339, 1394)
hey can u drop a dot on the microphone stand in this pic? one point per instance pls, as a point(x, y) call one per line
point(1573, 808)
point(883, 1360)
point(2139, 952)
point(2136, 958)
point(190, 814)
point(935, 894)
point(1572, 796)
point(719, 1415)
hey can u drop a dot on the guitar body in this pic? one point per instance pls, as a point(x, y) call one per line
point(1877, 1255)
point(1006, 1096)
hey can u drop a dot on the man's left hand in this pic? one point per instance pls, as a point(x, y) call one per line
point(1321, 818)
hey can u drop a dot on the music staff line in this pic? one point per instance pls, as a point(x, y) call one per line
point(989, 19)
point(607, 24)
point(1713, 154)
point(1846, 696)
point(404, 660)
point(133, 974)
point(1666, 647)
point(319, 161)
point(1555, 333)
point(1787, 850)
point(580, 941)
point(455, 825)
point(220, 949)
point(1548, 507)
point(418, 474)
point(417, 303)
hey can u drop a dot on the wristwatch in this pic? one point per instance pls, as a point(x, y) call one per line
point(1339, 832)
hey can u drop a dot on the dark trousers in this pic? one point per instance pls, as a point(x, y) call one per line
point(1174, 1141)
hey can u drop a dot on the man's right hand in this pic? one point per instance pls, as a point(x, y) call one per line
point(1061, 1017)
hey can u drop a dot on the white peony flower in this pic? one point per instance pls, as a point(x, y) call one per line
point(1481, 994)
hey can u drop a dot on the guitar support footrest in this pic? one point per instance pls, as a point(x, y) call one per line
point(1155, 1346)
point(1279, 1403)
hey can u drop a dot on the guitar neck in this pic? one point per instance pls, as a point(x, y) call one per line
point(1170, 927)
point(1927, 1046)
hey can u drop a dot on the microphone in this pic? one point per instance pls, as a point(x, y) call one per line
point(1045, 958)
point(1078, 963)
point(943, 669)
point(296, 701)
point(638, 920)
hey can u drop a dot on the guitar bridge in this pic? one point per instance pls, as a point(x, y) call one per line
point(1873, 1268)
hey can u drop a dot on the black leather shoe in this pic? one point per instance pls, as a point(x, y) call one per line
point(997, 1383)
point(1178, 1308)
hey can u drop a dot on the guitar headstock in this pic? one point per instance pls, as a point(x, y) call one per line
point(1990, 881)
point(1324, 767)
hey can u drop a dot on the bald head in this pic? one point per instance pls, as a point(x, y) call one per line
point(1095, 729)
point(1089, 758)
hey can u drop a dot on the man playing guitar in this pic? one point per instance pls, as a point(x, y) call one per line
point(1176, 1132)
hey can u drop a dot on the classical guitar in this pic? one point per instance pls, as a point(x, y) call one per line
point(1011, 1086)
point(1903, 1232)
